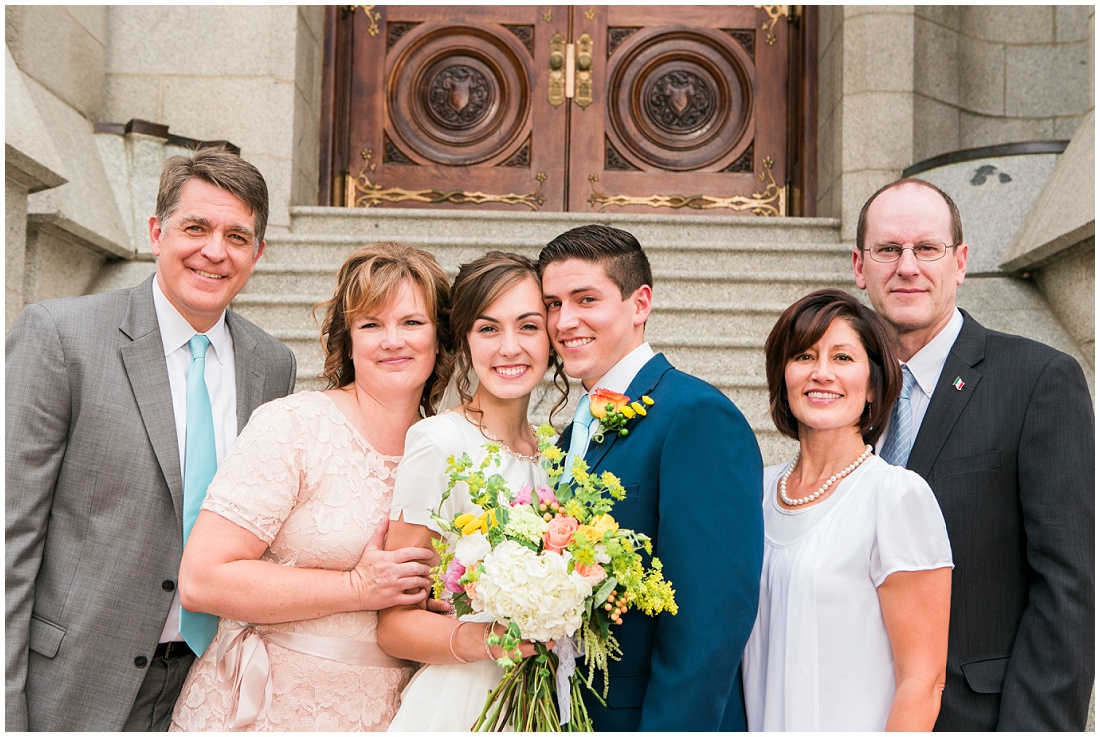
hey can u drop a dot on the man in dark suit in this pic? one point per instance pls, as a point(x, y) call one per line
point(693, 478)
point(98, 407)
point(1001, 427)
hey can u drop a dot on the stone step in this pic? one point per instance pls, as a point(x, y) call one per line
point(322, 251)
point(418, 226)
point(702, 285)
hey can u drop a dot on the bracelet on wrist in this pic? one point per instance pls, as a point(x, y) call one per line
point(451, 643)
point(485, 639)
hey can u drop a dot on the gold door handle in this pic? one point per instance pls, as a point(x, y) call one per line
point(583, 94)
point(558, 91)
point(570, 71)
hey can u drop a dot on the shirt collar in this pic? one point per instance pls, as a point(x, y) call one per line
point(618, 378)
point(926, 365)
point(175, 331)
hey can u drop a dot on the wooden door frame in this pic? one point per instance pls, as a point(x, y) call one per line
point(336, 104)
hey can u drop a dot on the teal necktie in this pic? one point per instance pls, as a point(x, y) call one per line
point(578, 441)
point(200, 463)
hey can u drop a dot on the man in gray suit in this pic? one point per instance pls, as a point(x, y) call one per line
point(1001, 428)
point(97, 413)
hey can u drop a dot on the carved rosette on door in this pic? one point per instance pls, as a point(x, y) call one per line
point(595, 108)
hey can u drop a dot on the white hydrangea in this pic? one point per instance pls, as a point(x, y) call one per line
point(470, 549)
point(536, 591)
point(524, 522)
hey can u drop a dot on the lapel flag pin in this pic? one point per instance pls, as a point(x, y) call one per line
point(958, 384)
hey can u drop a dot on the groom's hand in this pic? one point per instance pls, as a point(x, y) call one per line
point(385, 578)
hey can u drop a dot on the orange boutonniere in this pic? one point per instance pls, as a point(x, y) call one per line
point(614, 410)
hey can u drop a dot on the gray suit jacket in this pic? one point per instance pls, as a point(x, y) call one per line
point(93, 502)
point(1009, 456)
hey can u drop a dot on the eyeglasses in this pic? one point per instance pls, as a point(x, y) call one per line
point(888, 253)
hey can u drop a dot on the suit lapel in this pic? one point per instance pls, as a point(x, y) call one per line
point(948, 401)
point(146, 368)
point(249, 371)
point(643, 383)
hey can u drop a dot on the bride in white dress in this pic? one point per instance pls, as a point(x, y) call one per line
point(498, 320)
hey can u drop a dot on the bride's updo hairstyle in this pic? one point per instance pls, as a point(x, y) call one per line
point(478, 284)
point(370, 278)
point(801, 325)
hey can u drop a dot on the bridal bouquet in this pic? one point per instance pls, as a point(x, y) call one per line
point(551, 565)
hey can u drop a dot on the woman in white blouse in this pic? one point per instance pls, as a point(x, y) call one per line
point(851, 632)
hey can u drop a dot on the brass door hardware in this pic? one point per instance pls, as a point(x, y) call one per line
point(570, 71)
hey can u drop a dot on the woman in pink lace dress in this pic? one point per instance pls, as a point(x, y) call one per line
point(287, 549)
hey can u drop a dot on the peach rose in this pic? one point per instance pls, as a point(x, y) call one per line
point(592, 574)
point(559, 533)
point(603, 397)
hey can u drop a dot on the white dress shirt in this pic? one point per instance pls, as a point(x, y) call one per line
point(926, 365)
point(619, 376)
point(221, 382)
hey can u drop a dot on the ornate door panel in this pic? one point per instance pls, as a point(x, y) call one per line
point(630, 108)
point(448, 109)
point(691, 113)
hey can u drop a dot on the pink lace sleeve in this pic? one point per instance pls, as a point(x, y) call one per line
point(258, 481)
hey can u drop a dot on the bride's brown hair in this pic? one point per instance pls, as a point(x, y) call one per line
point(478, 284)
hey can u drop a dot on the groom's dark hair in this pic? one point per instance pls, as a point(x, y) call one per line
point(620, 254)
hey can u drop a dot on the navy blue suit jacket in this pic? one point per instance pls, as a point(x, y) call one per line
point(693, 475)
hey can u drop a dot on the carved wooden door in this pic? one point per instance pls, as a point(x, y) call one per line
point(554, 108)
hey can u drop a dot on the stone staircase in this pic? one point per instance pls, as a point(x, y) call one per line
point(720, 283)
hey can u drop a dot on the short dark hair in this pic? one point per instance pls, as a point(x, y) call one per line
point(370, 277)
point(619, 252)
point(478, 284)
point(956, 218)
point(219, 166)
point(801, 325)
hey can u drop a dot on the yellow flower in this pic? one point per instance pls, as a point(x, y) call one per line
point(646, 400)
point(637, 407)
point(604, 523)
point(628, 413)
point(590, 532)
point(478, 523)
point(463, 519)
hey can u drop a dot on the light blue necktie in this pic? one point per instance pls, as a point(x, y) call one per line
point(200, 463)
point(578, 441)
point(896, 449)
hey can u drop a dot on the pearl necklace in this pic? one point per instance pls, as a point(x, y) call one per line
point(824, 487)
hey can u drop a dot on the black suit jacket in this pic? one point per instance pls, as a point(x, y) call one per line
point(1010, 457)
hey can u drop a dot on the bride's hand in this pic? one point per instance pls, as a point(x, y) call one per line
point(386, 578)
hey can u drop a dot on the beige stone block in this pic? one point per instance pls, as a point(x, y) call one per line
point(1047, 80)
point(946, 16)
point(982, 130)
point(256, 114)
point(15, 250)
point(1012, 24)
point(830, 79)
point(936, 61)
point(860, 11)
point(878, 53)
point(58, 265)
point(1070, 287)
point(278, 173)
point(830, 25)
point(981, 77)
point(828, 149)
point(129, 96)
point(935, 128)
point(314, 18)
point(1065, 128)
point(53, 48)
point(32, 161)
point(221, 40)
point(1071, 22)
point(877, 131)
point(93, 18)
point(857, 188)
point(307, 66)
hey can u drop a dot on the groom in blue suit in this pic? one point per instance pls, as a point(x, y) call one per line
point(693, 478)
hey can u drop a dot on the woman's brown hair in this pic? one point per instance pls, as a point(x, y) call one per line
point(478, 284)
point(801, 325)
point(371, 277)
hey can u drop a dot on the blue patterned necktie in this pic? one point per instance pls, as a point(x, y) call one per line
point(578, 441)
point(200, 463)
point(896, 449)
